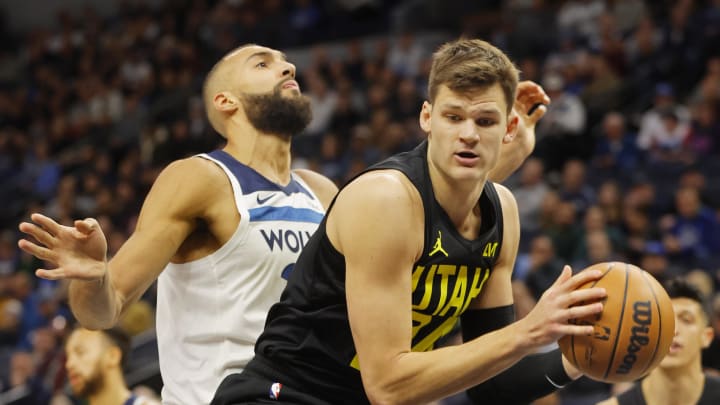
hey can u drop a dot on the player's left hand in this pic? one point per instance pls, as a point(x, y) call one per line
point(529, 95)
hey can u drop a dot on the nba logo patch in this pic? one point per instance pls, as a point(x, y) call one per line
point(275, 390)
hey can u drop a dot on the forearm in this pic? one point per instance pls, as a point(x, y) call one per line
point(533, 377)
point(421, 377)
point(94, 303)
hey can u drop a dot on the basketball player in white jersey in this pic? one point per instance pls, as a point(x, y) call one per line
point(220, 231)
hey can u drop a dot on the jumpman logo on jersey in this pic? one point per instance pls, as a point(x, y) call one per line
point(438, 246)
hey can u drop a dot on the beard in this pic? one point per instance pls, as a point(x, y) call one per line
point(275, 114)
point(90, 385)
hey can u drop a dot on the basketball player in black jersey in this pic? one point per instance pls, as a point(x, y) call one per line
point(409, 247)
point(679, 378)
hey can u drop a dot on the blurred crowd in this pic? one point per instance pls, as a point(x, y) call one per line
point(626, 165)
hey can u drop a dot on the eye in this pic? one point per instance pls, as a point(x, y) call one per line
point(261, 65)
point(453, 117)
point(485, 122)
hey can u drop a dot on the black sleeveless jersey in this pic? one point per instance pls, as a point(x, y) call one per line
point(710, 394)
point(307, 336)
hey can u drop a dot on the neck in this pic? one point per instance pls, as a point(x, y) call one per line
point(114, 392)
point(459, 198)
point(676, 386)
point(268, 154)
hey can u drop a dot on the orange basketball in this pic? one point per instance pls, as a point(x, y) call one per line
point(632, 334)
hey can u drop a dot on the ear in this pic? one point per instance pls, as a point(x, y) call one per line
point(512, 127)
point(225, 102)
point(113, 356)
point(707, 336)
point(426, 116)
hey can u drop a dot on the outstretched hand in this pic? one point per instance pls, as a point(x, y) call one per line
point(548, 321)
point(530, 105)
point(78, 252)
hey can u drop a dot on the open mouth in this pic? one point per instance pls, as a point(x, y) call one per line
point(467, 159)
point(675, 347)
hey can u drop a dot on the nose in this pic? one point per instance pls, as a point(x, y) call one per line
point(469, 132)
point(289, 70)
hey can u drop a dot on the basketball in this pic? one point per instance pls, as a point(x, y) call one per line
point(633, 332)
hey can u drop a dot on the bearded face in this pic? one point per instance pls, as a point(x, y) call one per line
point(87, 382)
point(277, 114)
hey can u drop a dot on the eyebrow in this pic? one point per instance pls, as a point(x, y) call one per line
point(266, 53)
point(454, 106)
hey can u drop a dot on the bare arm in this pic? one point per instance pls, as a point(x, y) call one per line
point(514, 153)
point(499, 286)
point(100, 291)
point(379, 259)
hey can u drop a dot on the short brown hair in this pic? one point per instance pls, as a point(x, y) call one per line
point(466, 64)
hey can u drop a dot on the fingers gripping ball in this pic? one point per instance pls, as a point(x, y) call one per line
point(633, 332)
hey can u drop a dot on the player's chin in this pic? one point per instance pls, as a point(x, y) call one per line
point(291, 92)
point(465, 174)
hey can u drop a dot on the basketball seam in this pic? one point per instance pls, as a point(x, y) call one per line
point(657, 305)
point(572, 338)
point(622, 315)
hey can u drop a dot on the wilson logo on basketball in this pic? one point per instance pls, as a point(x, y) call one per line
point(642, 316)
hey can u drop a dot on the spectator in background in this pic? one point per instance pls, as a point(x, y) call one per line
point(538, 267)
point(665, 143)
point(94, 364)
point(565, 230)
point(701, 142)
point(615, 152)
point(22, 386)
point(561, 132)
point(610, 202)
point(653, 131)
point(599, 242)
point(603, 90)
point(530, 193)
point(405, 55)
point(574, 187)
point(642, 50)
point(691, 236)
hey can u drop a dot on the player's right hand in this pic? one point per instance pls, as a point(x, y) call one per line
point(549, 320)
point(77, 252)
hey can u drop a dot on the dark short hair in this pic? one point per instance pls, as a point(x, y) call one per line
point(467, 64)
point(679, 287)
point(120, 339)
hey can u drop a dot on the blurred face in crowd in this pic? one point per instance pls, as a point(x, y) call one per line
point(260, 82)
point(692, 334)
point(687, 201)
point(89, 356)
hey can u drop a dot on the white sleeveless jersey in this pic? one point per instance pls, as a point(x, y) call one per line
point(211, 311)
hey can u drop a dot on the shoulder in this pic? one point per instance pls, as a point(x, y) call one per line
point(188, 182)
point(323, 187)
point(385, 194)
point(383, 185)
point(507, 202)
point(504, 194)
point(194, 169)
point(380, 209)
